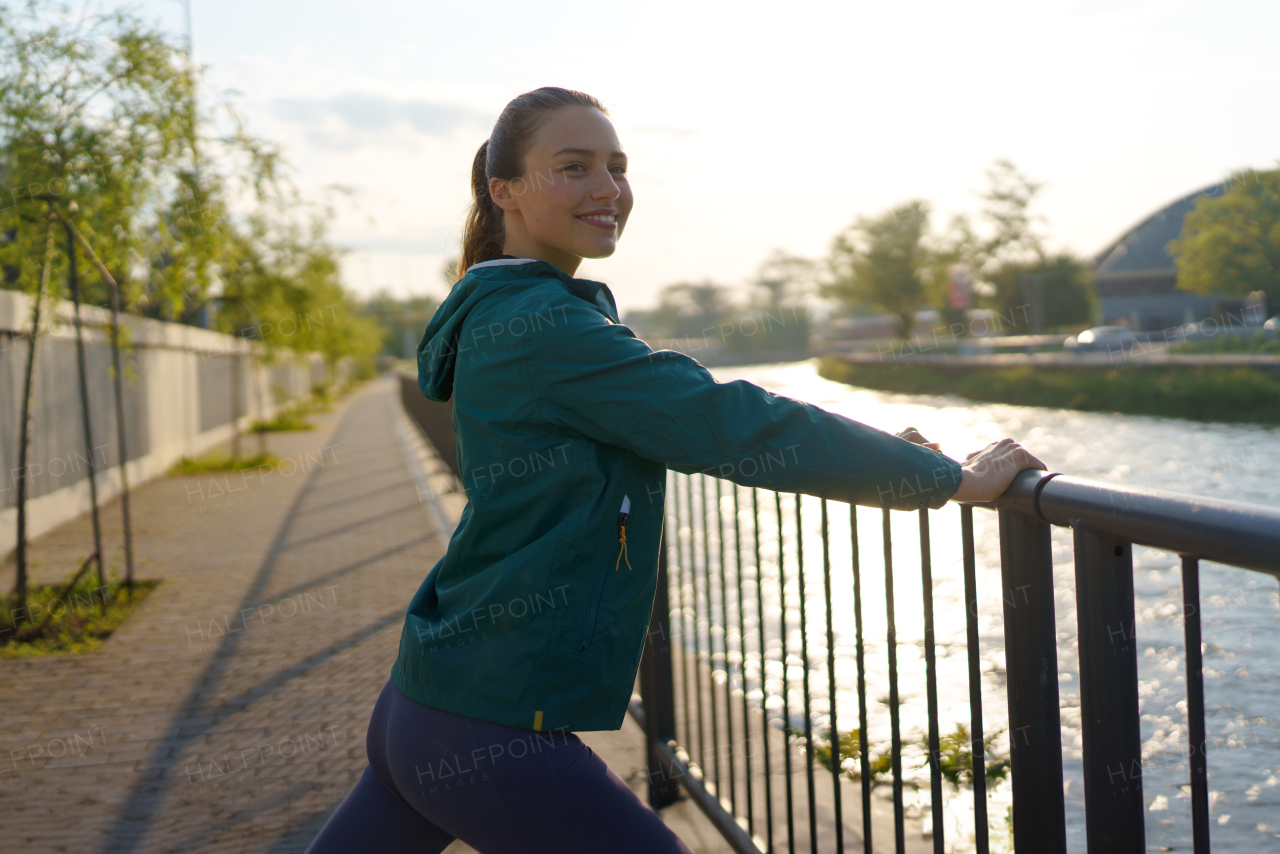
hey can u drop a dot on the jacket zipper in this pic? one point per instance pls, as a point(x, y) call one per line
point(593, 612)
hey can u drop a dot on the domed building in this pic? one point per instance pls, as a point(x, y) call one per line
point(1137, 278)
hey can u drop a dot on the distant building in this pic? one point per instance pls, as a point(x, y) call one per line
point(1137, 279)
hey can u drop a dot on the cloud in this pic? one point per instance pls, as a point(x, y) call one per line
point(431, 242)
point(333, 121)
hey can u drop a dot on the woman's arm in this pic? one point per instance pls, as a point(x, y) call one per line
point(594, 377)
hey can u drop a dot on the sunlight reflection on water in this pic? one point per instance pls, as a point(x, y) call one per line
point(1240, 623)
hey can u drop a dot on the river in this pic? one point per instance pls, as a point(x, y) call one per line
point(1241, 610)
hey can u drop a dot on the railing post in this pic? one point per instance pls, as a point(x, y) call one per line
point(657, 693)
point(1109, 723)
point(1031, 663)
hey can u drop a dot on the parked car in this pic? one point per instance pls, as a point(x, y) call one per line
point(1103, 339)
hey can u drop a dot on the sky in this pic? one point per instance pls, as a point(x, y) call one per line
point(748, 126)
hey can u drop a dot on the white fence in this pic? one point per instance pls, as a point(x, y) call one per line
point(183, 387)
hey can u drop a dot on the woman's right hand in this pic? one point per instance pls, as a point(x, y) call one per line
point(987, 473)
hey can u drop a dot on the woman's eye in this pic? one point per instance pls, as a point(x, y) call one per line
point(574, 167)
point(618, 170)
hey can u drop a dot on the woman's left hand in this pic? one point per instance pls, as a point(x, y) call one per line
point(915, 437)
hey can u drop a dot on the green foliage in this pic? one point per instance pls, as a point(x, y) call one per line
point(1234, 342)
point(97, 110)
point(1006, 209)
point(1065, 285)
point(1228, 395)
point(784, 279)
point(100, 110)
point(773, 320)
point(288, 419)
point(879, 262)
point(850, 745)
point(77, 621)
point(402, 322)
point(1231, 244)
point(955, 759)
point(218, 461)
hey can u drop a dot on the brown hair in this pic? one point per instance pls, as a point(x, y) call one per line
point(502, 155)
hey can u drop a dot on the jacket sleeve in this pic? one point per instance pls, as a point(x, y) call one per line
point(595, 377)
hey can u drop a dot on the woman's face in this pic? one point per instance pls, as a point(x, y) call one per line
point(573, 200)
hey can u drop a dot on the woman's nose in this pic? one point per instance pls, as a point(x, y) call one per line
point(606, 188)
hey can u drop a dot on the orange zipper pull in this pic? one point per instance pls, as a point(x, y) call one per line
point(623, 513)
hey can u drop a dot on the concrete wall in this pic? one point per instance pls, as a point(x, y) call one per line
point(182, 386)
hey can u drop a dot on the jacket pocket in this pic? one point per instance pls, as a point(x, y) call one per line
point(593, 610)
point(597, 592)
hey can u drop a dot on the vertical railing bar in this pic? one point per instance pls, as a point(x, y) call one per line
point(1031, 654)
point(899, 828)
point(977, 749)
point(864, 758)
point(764, 684)
point(931, 685)
point(786, 686)
point(683, 737)
point(724, 646)
point(697, 644)
point(742, 655)
point(711, 637)
point(804, 655)
point(831, 681)
point(1195, 705)
point(1110, 696)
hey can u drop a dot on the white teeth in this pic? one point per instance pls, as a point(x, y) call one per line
point(601, 217)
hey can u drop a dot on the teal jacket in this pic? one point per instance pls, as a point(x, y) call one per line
point(566, 426)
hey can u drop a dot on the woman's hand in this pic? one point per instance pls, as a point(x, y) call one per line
point(914, 436)
point(987, 473)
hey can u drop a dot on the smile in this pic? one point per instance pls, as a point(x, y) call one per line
point(609, 221)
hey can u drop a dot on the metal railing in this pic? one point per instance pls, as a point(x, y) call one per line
point(741, 675)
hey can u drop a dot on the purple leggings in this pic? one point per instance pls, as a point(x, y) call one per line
point(434, 776)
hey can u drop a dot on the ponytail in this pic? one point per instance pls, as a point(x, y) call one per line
point(502, 155)
point(483, 236)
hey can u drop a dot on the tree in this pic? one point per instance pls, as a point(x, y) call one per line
point(100, 110)
point(1006, 233)
point(880, 260)
point(1062, 285)
point(1231, 244)
point(685, 310)
point(95, 110)
point(402, 320)
point(784, 278)
point(1006, 210)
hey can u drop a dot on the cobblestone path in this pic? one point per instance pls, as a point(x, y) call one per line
point(229, 713)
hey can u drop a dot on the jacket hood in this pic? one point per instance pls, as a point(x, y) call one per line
point(438, 350)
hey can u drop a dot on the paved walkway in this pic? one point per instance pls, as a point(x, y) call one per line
point(229, 713)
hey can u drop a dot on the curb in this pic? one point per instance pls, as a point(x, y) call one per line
point(439, 492)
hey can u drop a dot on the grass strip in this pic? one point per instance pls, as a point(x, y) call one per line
point(219, 461)
point(67, 618)
point(1200, 393)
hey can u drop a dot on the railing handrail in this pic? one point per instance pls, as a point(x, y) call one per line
point(1229, 532)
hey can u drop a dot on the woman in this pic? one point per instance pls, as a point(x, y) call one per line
point(530, 628)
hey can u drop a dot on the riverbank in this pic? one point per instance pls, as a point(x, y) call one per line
point(1201, 393)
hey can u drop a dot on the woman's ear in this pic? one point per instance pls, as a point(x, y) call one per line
point(505, 194)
